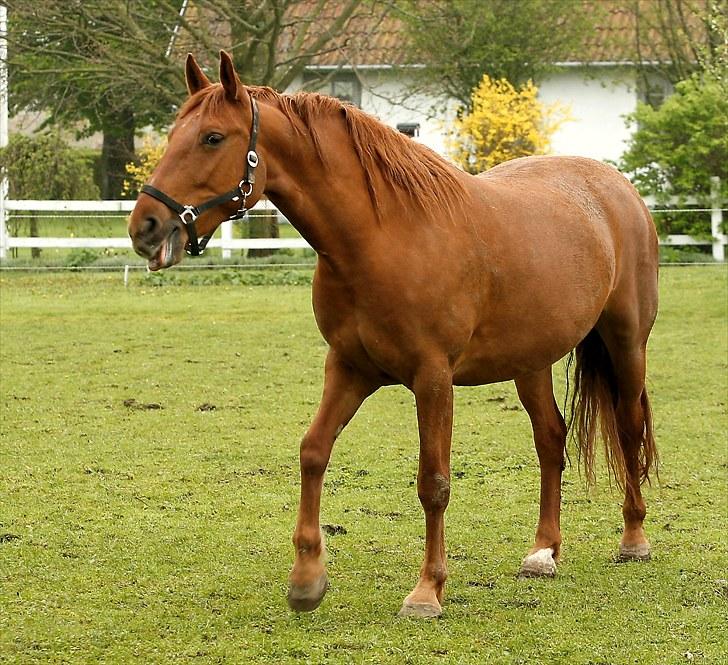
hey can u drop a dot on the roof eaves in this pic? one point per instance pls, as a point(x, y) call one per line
point(370, 66)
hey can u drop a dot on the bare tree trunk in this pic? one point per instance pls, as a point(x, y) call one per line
point(33, 233)
point(263, 225)
point(116, 153)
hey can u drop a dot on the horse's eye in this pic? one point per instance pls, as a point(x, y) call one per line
point(213, 139)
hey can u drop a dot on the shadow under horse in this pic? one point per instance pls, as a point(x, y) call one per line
point(430, 277)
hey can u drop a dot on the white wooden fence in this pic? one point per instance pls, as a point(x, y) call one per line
point(227, 243)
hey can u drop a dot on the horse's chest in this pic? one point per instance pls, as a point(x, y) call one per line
point(334, 306)
point(357, 333)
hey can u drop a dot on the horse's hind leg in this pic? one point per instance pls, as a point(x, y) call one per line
point(634, 426)
point(344, 392)
point(549, 434)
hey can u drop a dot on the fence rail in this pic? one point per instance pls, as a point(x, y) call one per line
point(227, 242)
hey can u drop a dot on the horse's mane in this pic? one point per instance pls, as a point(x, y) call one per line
point(408, 166)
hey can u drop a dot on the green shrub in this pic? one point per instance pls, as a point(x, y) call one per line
point(230, 277)
point(83, 256)
point(678, 147)
point(44, 166)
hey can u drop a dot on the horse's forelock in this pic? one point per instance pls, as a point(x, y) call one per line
point(210, 100)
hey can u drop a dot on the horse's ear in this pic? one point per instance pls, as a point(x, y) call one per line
point(228, 76)
point(195, 77)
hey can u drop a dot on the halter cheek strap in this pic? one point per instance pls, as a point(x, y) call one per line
point(189, 213)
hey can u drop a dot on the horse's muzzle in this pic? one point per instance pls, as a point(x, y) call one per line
point(154, 235)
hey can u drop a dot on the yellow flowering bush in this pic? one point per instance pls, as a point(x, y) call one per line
point(139, 171)
point(503, 123)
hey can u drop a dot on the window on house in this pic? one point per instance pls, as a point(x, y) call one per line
point(411, 129)
point(653, 89)
point(342, 85)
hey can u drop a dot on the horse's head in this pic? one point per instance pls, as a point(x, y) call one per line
point(209, 172)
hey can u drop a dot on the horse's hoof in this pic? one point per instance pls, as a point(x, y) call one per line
point(307, 598)
point(420, 610)
point(636, 552)
point(539, 564)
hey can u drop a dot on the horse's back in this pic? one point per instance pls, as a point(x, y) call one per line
point(580, 188)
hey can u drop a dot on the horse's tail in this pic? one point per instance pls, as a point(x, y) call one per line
point(593, 409)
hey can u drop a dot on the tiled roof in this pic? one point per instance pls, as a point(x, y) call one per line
point(375, 38)
point(368, 40)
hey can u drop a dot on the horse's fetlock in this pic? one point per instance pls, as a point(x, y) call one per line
point(438, 573)
point(308, 541)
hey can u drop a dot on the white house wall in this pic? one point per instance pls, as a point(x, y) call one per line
point(384, 95)
point(598, 100)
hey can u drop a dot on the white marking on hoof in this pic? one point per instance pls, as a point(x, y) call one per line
point(420, 610)
point(539, 564)
point(638, 552)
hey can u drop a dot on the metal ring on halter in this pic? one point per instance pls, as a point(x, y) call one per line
point(249, 186)
point(191, 211)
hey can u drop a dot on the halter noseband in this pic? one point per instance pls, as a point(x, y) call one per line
point(189, 213)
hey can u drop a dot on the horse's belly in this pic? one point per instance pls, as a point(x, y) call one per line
point(529, 329)
point(503, 359)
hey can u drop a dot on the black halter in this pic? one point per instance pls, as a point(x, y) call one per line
point(189, 213)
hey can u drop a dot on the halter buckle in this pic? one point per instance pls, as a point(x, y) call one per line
point(192, 212)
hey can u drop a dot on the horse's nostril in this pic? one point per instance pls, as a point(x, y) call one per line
point(150, 225)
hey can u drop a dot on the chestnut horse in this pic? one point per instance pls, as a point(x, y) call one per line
point(430, 277)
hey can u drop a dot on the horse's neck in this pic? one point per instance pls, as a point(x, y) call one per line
point(327, 200)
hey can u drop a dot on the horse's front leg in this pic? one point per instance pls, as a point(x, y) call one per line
point(344, 391)
point(434, 397)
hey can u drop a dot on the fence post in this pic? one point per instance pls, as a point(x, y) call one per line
point(3, 225)
point(716, 219)
point(226, 235)
point(3, 124)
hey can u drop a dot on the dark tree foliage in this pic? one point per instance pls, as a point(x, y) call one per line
point(115, 66)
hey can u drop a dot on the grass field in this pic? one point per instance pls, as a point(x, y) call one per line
point(148, 489)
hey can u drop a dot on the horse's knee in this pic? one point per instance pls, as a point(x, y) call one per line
point(434, 491)
point(314, 454)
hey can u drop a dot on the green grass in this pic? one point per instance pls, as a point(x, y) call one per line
point(131, 533)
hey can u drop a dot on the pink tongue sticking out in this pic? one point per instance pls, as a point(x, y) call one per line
point(158, 261)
